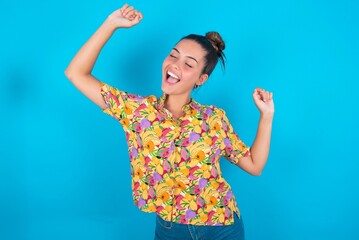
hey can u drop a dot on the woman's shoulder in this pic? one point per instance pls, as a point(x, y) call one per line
point(211, 110)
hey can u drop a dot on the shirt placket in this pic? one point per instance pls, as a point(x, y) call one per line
point(176, 124)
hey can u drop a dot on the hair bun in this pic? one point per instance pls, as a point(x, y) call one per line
point(217, 41)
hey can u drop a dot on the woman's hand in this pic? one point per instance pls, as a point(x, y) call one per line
point(125, 17)
point(264, 101)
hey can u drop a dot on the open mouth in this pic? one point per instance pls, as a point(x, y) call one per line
point(172, 78)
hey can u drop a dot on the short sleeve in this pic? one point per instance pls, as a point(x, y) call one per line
point(234, 147)
point(120, 104)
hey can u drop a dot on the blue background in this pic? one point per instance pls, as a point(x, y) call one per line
point(64, 168)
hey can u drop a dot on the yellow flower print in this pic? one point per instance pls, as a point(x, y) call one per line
point(145, 194)
point(203, 216)
point(169, 182)
point(125, 122)
point(197, 129)
point(151, 117)
point(158, 131)
point(212, 201)
point(184, 171)
point(159, 169)
point(193, 205)
point(149, 146)
point(127, 110)
point(195, 121)
point(164, 196)
point(216, 127)
point(208, 140)
point(214, 184)
point(152, 206)
point(138, 173)
point(168, 208)
point(180, 185)
point(193, 112)
point(199, 156)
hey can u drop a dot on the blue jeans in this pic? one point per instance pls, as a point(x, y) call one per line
point(172, 231)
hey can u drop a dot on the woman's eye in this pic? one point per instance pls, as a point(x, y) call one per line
point(173, 56)
point(189, 65)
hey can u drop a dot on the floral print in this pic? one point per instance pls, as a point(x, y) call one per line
point(175, 162)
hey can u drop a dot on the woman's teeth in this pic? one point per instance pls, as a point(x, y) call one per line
point(172, 78)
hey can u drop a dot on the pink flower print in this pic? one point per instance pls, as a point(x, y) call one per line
point(136, 185)
point(179, 199)
point(204, 127)
point(193, 137)
point(172, 147)
point(134, 152)
point(191, 172)
point(157, 177)
point(185, 142)
point(166, 166)
point(209, 111)
point(184, 123)
point(110, 95)
point(221, 187)
point(214, 139)
point(151, 192)
point(159, 209)
point(227, 212)
point(214, 172)
point(145, 123)
point(137, 127)
point(225, 127)
point(141, 202)
point(202, 183)
point(139, 142)
point(147, 160)
point(190, 214)
point(184, 154)
point(151, 181)
point(164, 153)
point(182, 219)
point(227, 142)
point(196, 190)
point(210, 215)
point(229, 194)
point(200, 201)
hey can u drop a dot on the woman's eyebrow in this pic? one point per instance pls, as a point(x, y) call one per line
point(186, 56)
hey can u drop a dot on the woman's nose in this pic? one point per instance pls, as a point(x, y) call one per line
point(175, 66)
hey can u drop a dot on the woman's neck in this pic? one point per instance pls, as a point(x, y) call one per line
point(175, 103)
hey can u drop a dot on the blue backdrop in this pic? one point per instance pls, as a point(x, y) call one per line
point(64, 167)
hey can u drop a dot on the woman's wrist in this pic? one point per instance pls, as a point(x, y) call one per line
point(110, 24)
point(267, 115)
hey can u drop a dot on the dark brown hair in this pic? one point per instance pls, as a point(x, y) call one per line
point(214, 45)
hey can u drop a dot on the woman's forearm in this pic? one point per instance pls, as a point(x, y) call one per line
point(85, 59)
point(261, 144)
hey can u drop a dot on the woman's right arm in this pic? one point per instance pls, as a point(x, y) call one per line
point(80, 68)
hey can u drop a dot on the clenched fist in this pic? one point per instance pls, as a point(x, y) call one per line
point(125, 17)
point(263, 100)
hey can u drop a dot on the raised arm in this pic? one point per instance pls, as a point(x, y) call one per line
point(255, 163)
point(80, 68)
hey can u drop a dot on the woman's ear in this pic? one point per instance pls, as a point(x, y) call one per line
point(202, 79)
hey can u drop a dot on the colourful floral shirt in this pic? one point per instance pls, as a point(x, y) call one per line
point(175, 162)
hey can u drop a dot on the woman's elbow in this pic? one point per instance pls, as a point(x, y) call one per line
point(256, 172)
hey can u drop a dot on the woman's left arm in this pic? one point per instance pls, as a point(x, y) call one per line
point(255, 163)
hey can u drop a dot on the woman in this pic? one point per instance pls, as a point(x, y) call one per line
point(174, 142)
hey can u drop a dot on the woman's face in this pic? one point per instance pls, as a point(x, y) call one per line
point(182, 68)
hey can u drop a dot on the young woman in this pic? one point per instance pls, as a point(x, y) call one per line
point(174, 142)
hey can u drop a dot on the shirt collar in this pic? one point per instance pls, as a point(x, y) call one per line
point(192, 104)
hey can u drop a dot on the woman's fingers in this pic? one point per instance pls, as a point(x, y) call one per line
point(123, 7)
point(263, 94)
point(127, 9)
